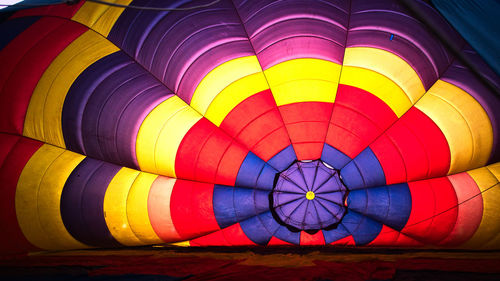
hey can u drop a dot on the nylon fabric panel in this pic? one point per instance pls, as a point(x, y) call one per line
point(358, 118)
point(464, 123)
point(257, 123)
point(19, 75)
point(138, 214)
point(221, 79)
point(159, 209)
point(98, 17)
point(303, 80)
point(489, 227)
point(115, 207)
point(161, 134)
point(192, 210)
point(388, 65)
point(38, 198)
point(43, 117)
point(15, 153)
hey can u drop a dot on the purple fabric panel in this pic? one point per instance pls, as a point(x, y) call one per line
point(134, 25)
point(193, 47)
point(257, 14)
point(130, 120)
point(168, 44)
point(79, 93)
point(466, 80)
point(400, 47)
point(300, 47)
point(104, 135)
point(298, 28)
point(407, 28)
point(204, 63)
point(82, 202)
point(170, 34)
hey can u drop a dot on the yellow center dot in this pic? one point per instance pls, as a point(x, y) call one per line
point(310, 195)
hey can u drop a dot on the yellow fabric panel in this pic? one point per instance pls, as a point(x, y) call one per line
point(303, 80)
point(43, 117)
point(495, 170)
point(161, 133)
point(464, 123)
point(233, 95)
point(115, 207)
point(221, 77)
point(137, 209)
point(490, 222)
point(379, 85)
point(38, 196)
point(99, 17)
point(389, 65)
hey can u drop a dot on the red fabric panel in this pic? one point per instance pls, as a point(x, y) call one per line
point(277, 242)
point(470, 210)
point(413, 148)
point(207, 154)
point(434, 210)
point(16, 151)
point(312, 239)
point(346, 241)
point(229, 236)
point(213, 239)
point(391, 237)
point(257, 124)
point(62, 10)
point(192, 209)
point(358, 117)
point(24, 60)
point(307, 125)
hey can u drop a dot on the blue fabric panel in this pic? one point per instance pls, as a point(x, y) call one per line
point(266, 178)
point(363, 229)
point(255, 173)
point(390, 205)
point(334, 157)
point(82, 202)
point(364, 171)
point(255, 230)
point(245, 203)
point(249, 170)
point(223, 205)
point(283, 233)
point(283, 159)
point(335, 234)
point(477, 22)
point(12, 28)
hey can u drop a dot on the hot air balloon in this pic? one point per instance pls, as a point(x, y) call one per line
point(244, 123)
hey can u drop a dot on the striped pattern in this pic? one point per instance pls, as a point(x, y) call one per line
point(123, 127)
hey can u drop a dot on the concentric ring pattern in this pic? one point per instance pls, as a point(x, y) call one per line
point(124, 127)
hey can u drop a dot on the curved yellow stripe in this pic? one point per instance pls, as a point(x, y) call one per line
point(161, 134)
point(137, 209)
point(38, 196)
point(303, 80)
point(489, 229)
point(221, 77)
point(233, 95)
point(99, 17)
point(464, 123)
point(389, 65)
point(379, 85)
point(115, 207)
point(495, 170)
point(43, 117)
